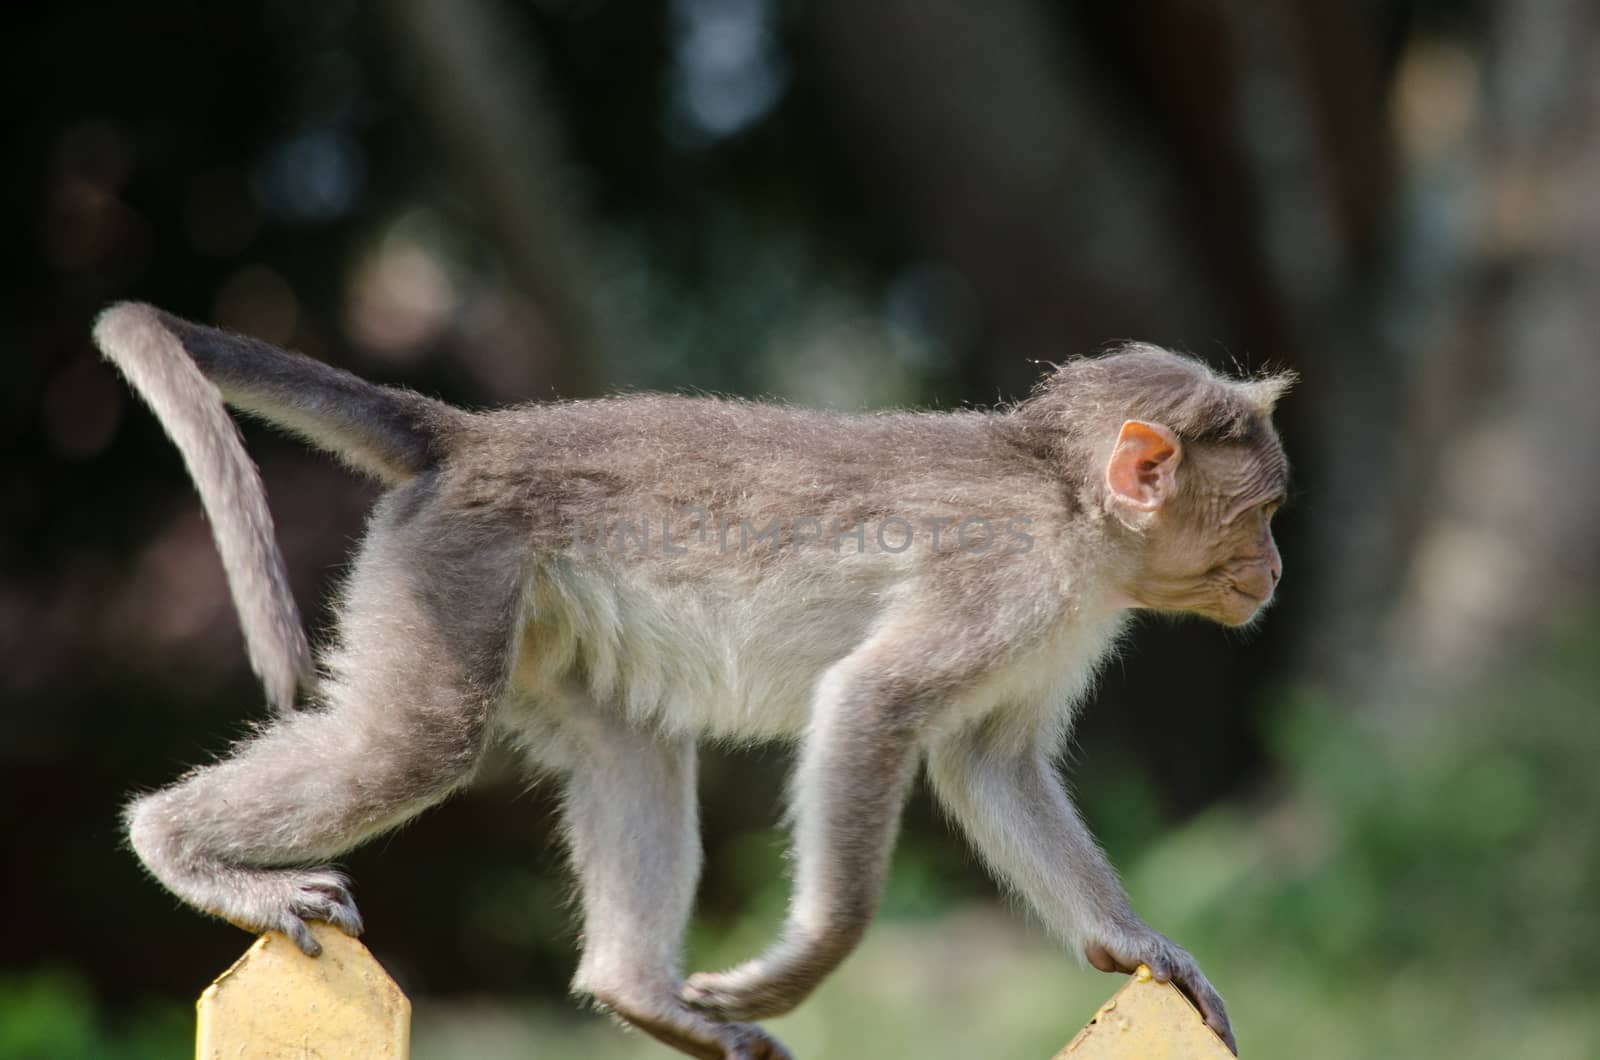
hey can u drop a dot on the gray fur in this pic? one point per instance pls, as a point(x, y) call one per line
point(191, 410)
point(388, 433)
point(475, 610)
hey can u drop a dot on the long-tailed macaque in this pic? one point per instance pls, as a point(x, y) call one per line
point(603, 583)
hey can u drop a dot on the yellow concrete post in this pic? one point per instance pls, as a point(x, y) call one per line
point(1146, 1020)
point(277, 1002)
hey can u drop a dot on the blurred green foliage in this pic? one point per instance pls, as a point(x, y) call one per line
point(53, 1015)
point(1427, 892)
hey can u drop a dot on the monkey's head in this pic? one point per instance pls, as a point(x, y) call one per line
point(1186, 464)
point(1200, 514)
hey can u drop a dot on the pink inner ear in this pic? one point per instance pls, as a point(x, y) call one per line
point(1140, 473)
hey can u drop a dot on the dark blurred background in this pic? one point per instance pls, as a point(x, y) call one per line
point(1373, 819)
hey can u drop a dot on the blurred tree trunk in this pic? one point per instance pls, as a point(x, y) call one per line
point(473, 83)
point(1508, 508)
point(1314, 82)
point(981, 133)
point(1277, 117)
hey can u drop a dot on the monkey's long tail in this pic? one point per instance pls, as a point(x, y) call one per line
point(185, 372)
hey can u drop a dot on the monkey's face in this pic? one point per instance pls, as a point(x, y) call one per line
point(1207, 545)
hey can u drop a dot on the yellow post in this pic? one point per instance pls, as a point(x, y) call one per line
point(1146, 1020)
point(277, 1002)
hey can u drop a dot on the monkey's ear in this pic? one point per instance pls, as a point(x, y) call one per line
point(1141, 474)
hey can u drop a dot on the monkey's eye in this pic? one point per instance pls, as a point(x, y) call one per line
point(1270, 508)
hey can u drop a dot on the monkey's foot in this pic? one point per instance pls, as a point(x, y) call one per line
point(283, 900)
point(673, 1023)
point(758, 989)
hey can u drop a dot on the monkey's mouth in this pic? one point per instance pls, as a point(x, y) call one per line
point(1253, 583)
point(1237, 615)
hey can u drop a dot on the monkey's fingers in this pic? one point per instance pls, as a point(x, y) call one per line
point(1103, 960)
point(1209, 1002)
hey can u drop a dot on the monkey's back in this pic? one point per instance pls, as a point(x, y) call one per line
point(702, 561)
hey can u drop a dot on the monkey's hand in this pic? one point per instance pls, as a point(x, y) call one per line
point(1128, 945)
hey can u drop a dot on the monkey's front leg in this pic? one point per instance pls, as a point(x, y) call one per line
point(848, 791)
point(1011, 803)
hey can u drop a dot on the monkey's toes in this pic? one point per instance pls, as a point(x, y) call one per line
point(709, 992)
point(737, 995)
point(746, 1041)
point(320, 894)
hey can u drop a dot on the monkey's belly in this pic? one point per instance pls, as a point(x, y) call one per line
point(690, 659)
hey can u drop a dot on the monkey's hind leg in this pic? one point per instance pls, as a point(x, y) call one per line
point(419, 666)
point(630, 816)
